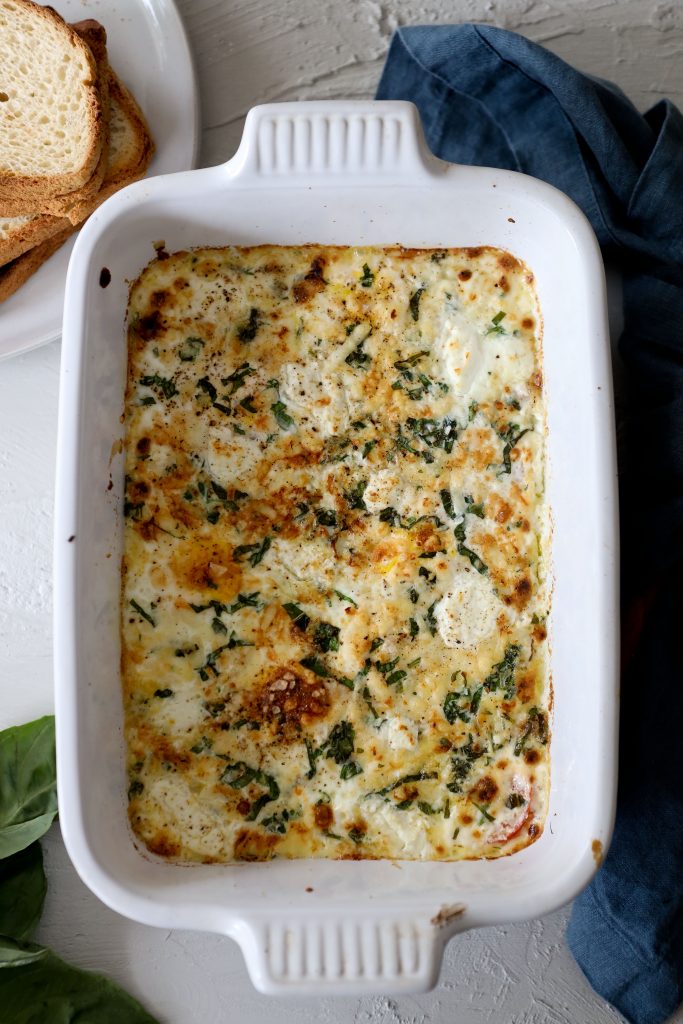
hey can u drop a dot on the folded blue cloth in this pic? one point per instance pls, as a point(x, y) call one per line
point(493, 98)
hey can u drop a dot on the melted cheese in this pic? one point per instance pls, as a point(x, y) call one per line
point(334, 582)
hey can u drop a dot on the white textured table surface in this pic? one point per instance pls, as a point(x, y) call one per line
point(251, 51)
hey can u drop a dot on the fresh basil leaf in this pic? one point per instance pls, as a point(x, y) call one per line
point(28, 794)
point(49, 990)
point(22, 892)
point(16, 952)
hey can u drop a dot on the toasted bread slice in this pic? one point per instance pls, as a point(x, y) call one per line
point(130, 151)
point(14, 274)
point(94, 34)
point(51, 117)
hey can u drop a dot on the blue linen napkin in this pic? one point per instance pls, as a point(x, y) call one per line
point(490, 97)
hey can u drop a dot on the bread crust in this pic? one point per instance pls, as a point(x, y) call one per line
point(23, 194)
point(29, 234)
point(16, 273)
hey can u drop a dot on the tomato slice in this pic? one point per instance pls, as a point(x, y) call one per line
point(513, 822)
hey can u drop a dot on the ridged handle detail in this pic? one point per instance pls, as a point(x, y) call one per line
point(289, 140)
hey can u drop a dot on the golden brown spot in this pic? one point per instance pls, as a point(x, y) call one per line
point(148, 327)
point(526, 687)
point(243, 806)
point(164, 751)
point(162, 845)
point(536, 380)
point(283, 332)
point(253, 846)
point(289, 699)
point(528, 323)
point(522, 593)
point(502, 764)
point(533, 830)
point(507, 261)
point(503, 283)
point(597, 851)
point(312, 283)
point(323, 815)
point(532, 756)
point(180, 282)
point(393, 314)
point(465, 818)
point(485, 789)
point(143, 446)
point(207, 564)
point(465, 275)
point(474, 251)
point(158, 300)
point(539, 632)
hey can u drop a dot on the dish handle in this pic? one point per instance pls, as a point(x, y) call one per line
point(347, 953)
point(357, 141)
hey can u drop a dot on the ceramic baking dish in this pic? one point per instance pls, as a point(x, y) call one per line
point(357, 174)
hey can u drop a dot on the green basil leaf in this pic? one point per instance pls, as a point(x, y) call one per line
point(15, 952)
point(50, 990)
point(22, 892)
point(28, 793)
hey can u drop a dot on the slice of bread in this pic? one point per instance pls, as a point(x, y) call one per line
point(51, 117)
point(130, 151)
point(16, 273)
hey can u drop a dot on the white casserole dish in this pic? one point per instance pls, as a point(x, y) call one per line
point(338, 173)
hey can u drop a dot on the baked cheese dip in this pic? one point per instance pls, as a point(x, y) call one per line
point(336, 555)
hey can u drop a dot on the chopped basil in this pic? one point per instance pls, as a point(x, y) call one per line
point(340, 742)
point(410, 361)
point(413, 595)
point(377, 642)
point(482, 810)
point(420, 776)
point(219, 627)
point(299, 617)
point(355, 834)
point(414, 303)
point(203, 744)
point(255, 552)
point(429, 577)
point(447, 502)
point(326, 637)
point(349, 770)
point(474, 509)
point(367, 697)
point(512, 435)
point(354, 497)
point(345, 597)
point(326, 517)
point(359, 358)
point(515, 800)
point(245, 601)
point(496, 321)
point(367, 448)
point(205, 385)
point(279, 411)
point(466, 552)
point(414, 628)
point(240, 774)
point(237, 378)
point(166, 386)
point(247, 330)
point(430, 621)
point(190, 349)
point(368, 277)
point(316, 665)
point(166, 692)
point(141, 611)
point(248, 404)
point(502, 675)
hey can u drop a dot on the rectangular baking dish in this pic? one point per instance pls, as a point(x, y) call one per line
point(356, 174)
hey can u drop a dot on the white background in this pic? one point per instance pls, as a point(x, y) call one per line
point(246, 52)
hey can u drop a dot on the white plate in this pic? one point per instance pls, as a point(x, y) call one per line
point(149, 51)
